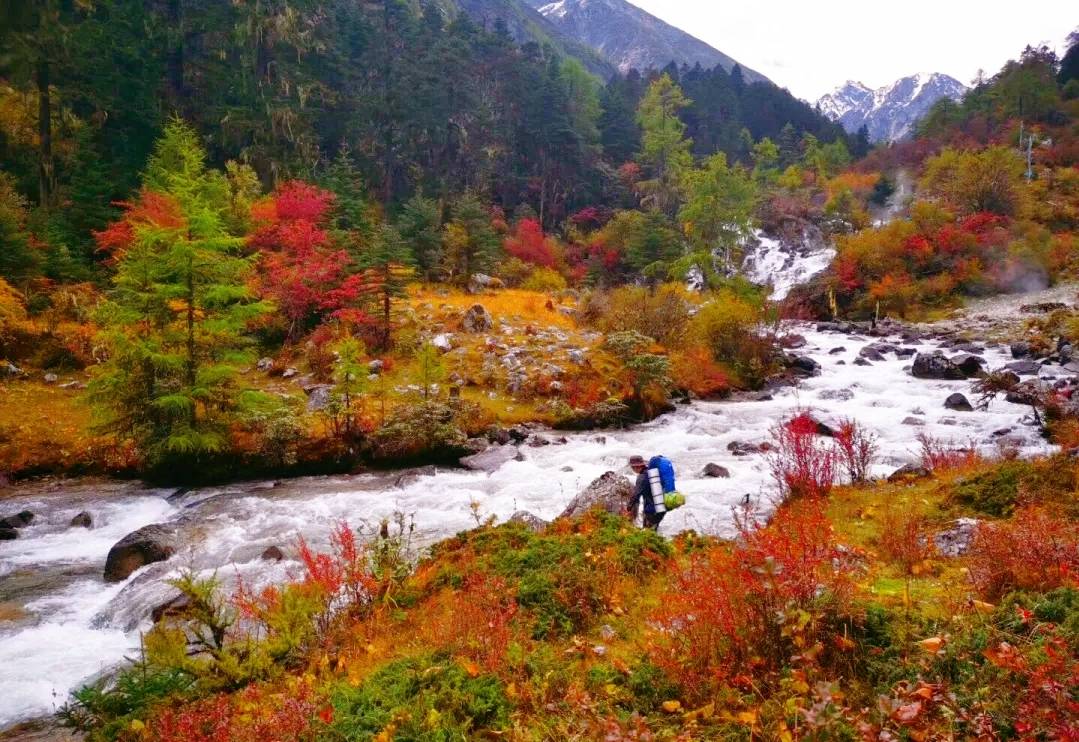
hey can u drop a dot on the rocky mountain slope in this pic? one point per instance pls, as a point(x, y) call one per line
point(889, 113)
point(630, 38)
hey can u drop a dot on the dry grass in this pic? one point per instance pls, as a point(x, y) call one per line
point(44, 427)
point(516, 306)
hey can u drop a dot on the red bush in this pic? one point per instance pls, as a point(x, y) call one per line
point(1035, 550)
point(856, 448)
point(802, 465)
point(529, 244)
point(255, 714)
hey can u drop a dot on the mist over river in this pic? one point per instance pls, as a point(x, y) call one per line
point(65, 624)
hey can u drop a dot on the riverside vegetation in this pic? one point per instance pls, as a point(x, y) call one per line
point(188, 284)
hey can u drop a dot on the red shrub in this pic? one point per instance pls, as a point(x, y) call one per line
point(696, 371)
point(938, 455)
point(255, 714)
point(802, 465)
point(1035, 550)
point(529, 244)
point(905, 540)
point(856, 448)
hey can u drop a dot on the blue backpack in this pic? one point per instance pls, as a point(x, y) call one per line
point(666, 472)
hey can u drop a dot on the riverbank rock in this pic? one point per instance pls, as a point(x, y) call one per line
point(1025, 368)
point(492, 459)
point(8, 534)
point(935, 366)
point(959, 403)
point(534, 523)
point(153, 543)
point(970, 364)
point(272, 554)
point(176, 606)
point(956, 540)
point(477, 319)
point(83, 520)
point(611, 492)
point(480, 282)
point(716, 471)
point(804, 366)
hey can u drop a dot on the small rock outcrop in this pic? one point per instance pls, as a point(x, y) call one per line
point(480, 282)
point(956, 540)
point(153, 543)
point(959, 403)
point(804, 366)
point(477, 319)
point(908, 472)
point(534, 523)
point(610, 492)
point(272, 554)
point(1025, 368)
point(19, 520)
point(936, 366)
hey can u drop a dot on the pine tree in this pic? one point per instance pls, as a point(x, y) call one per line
point(175, 319)
point(17, 259)
point(420, 226)
point(387, 268)
point(718, 214)
point(471, 244)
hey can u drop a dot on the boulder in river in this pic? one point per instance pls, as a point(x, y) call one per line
point(716, 471)
point(1025, 368)
point(153, 543)
point(492, 459)
point(935, 366)
point(272, 554)
point(804, 365)
point(959, 403)
point(8, 534)
point(82, 520)
point(175, 606)
point(970, 364)
point(610, 492)
point(1020, 350)
point(19, 520)
point(870, 353)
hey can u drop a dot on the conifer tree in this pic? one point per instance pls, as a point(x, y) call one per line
point(420, 226)
point(176, 316)
point(471, 244)
point(387, 268)
point(665, 151)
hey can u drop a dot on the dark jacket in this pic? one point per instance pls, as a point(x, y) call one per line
point(642, 494)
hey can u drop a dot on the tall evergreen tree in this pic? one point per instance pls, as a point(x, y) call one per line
point(665, 152)
point(470, 243)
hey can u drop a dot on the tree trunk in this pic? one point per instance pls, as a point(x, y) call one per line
point(46, 170)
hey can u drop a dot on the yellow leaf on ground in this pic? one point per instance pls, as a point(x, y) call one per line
point(932, 644)
point(672, 707)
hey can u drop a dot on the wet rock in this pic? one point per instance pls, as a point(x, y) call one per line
point(742, 448)
point(534, 523)
point(837, 351)
point(538, 441)
point(1066, 353)
point(477, 319)
point(82, 520)
point(8, 534)
point(804, 366)
point(153, 543)
point(1020, 350)
point(908, 472)
point(19, 520)
point(1025, 368)
point(970, 364)
point(904, 353)
point(959, 403)
point(956, 540)
point(914, 421)
point(1044, 307)
point(492, 459)
point(792, 342)
point(841, 395)
point(862, 362)
point(272, 554)
point(1029, 392)
point(175, 606)
point(869, 353)
point(476, 445)
point(519, 433)
point(935, 366)
point(716, 471)
point(610, 492)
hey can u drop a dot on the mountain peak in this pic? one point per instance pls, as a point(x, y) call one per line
point(889, 112)
point(631, 38)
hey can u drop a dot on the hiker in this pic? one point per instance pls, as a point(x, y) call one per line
point(642, 493)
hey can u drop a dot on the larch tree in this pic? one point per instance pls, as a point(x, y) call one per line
point(176, 318)
point(665, 150)
point(717, 216)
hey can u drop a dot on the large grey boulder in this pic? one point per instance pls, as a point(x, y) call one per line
point(533, 522)
point(492, 459)
point(959, 403)
point(935, 366)
point(610, 492)
point(153, 543)
point(1025, 368)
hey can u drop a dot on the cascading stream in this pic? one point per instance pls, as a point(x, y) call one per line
point(69, 624)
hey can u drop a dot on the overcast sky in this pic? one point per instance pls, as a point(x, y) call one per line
point(811, 47)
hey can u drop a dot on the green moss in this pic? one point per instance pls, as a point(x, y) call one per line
point(995, 491)
point(428, 699)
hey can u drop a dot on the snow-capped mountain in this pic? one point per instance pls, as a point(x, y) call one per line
point(889, 113)
point(630, 38)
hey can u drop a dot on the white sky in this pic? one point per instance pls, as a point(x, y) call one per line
point(813, 46)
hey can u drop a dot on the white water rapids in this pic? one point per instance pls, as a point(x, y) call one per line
point(75, 625)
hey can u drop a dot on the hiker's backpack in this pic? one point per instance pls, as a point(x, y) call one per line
point(661, 481)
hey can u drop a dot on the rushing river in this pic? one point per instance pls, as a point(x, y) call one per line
point(63, 624)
